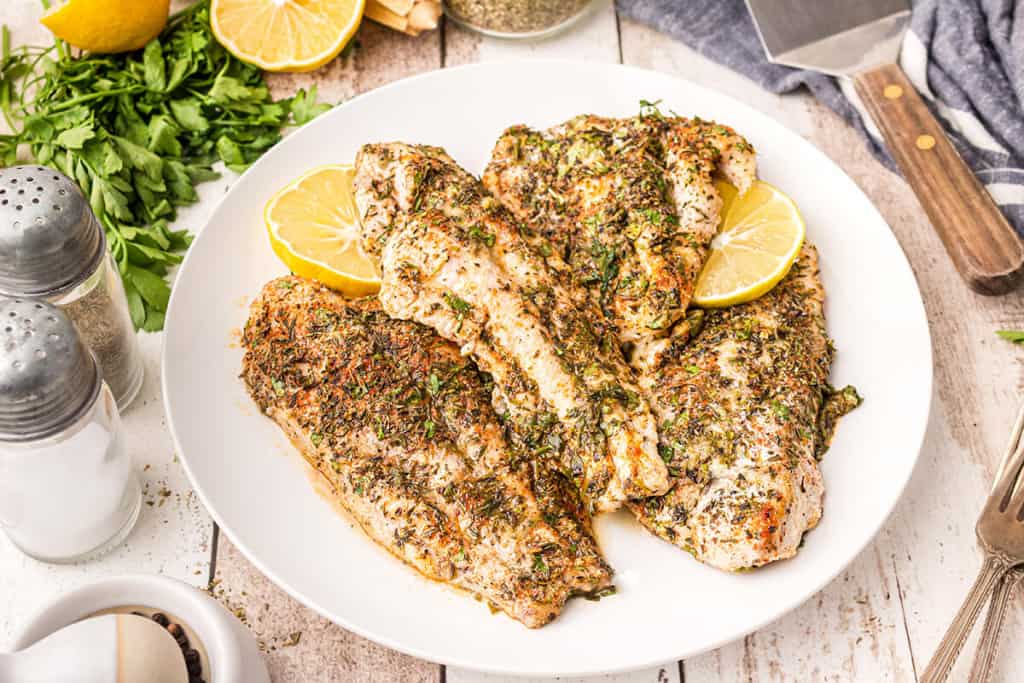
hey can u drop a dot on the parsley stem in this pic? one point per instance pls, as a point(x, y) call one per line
point(68, 104)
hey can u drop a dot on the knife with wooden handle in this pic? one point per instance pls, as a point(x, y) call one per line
point(861, 40)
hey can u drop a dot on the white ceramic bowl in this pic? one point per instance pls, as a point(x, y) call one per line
point(231, 648)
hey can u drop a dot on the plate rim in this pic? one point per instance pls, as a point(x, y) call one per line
point(455, 661)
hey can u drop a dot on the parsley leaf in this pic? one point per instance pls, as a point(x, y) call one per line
point(305, 108)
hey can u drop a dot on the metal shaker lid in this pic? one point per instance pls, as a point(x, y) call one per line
point(48, 379)
point(50, 240)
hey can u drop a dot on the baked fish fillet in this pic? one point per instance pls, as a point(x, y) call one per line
point(629, 204)
point(745, 407)
point(453, 259)
point(401, 427)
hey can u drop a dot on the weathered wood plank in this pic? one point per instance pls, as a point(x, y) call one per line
point(977, 394)
point(325, 651)
point(378, 56)
point(173, 533)
point(853, 630)
point(299, 645)
point(977, 384)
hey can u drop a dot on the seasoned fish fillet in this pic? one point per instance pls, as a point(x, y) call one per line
point(401, 427)
point(629, 204)
point(453, 259)
point(741, 396)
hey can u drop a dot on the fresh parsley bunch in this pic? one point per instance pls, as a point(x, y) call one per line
point(139, 131)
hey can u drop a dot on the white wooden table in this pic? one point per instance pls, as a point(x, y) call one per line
point(878, 621)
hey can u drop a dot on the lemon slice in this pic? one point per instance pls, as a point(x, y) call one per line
point(285, 35)
point(313, 226)
point(760, 238)
point(728, 192)
point(107, 26)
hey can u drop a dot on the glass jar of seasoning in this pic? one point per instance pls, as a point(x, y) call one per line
point(68, 489)
point(53, 248)
point(516, 18)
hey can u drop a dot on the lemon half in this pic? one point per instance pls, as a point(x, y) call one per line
point(759, 240)
point(285, 35)
point(107, 26)
point(313, 225)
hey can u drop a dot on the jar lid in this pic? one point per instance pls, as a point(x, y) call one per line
point(48, 379)
point(50, 240)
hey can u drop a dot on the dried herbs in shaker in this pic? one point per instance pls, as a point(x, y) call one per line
point(516, 18)
point(53, 248)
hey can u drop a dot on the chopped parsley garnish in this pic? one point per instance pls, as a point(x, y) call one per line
point(780, 409)
point(650, 109)
point(460, 307)
point(481, 235)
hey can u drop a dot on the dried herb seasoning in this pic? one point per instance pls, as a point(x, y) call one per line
point(515, 16)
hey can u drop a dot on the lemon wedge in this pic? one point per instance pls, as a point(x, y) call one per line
point(107, 26)
point(285, 35)
point(759, 240)
point(313, 226)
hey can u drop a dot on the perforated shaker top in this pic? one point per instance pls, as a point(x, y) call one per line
point(50, 241)
point(48, 379)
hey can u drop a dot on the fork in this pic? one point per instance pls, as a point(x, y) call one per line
point(985, 657)
point(1000, 532)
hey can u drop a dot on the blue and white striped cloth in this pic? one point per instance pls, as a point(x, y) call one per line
point(966, 57)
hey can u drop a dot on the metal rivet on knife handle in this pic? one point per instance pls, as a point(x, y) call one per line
point(893, 92)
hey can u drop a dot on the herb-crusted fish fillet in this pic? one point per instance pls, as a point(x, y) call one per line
point(743, 399)
point(630, 205)
point(401, 427)
point(453, 259)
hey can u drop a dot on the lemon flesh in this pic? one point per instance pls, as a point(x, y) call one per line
point(759, 240)
point(313, 225)
point(107, 26)
point(279, 35)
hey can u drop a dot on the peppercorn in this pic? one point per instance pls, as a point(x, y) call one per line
point(161, 619)
point(179, 634)
point(192, 662)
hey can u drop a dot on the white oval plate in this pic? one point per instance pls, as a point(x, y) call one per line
point(668, 606)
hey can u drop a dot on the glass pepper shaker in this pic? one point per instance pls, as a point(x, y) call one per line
point(53, 248)
point(68, 489)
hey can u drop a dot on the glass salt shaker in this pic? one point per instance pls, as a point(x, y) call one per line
point(53, 248)
point(68, 489)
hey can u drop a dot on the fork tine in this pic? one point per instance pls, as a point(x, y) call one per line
point(1010, 468)
point(1011, 447)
